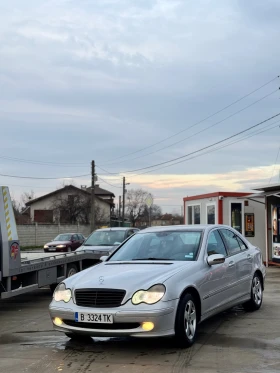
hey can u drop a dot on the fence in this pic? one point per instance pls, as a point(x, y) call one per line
point(39, 234)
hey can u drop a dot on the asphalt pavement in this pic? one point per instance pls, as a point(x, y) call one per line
point(232, 342)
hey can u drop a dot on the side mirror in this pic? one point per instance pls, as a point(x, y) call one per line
point(216, 259)
point(117, 243)
point(104, 258)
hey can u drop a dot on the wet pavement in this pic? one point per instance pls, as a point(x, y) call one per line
point(232, 342)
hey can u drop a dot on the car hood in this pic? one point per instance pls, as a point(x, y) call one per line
point(55, 243)
point(96, 248)
point(130, 276)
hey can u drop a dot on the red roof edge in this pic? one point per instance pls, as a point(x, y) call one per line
point(216, 194)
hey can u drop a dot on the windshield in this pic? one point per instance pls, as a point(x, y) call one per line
point(176, 245)
point(63, 237)
point(105, 238)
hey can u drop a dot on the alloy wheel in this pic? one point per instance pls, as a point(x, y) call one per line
point(257, 290)
point(190, 319)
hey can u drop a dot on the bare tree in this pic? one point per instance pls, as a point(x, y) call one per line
point(156, 212)
point(16, 207)
point(76, 208)
point(136, 203)
point(27, 196)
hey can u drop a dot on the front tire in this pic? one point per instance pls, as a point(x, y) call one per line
point(256, 295)
point(186, 321)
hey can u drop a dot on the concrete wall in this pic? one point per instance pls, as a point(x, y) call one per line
point(40, 234)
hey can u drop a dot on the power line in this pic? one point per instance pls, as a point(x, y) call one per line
point(215, 149)
point(66, 164)
point(204, 148)
point(275, 164)
point(23, 160)
point(203, 130)
point(107, 172)
point(106, 182)
point(197, 123)
point(28, 186)
point(44, 178)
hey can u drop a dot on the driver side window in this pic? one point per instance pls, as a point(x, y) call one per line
point(215, 244)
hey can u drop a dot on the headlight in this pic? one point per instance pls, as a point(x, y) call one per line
point(46, 247)
point(62, 294)
point(150, 296)
point(61, 246)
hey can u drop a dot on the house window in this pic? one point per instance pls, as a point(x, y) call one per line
point(197, 214)
point(190, 219)
point(211, 218)
point(194, 214)
point(236, 216)
point(71, 198)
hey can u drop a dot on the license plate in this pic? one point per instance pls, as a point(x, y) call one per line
point(52, 249)
point(95, 318)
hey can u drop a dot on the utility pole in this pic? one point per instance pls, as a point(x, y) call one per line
point(92, 220)
point(120, 204)
point(123, 201)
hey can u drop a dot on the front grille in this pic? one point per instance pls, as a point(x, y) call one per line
point(99, 297)
point(115, 326)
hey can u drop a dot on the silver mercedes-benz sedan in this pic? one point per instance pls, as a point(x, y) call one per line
point(162, 281)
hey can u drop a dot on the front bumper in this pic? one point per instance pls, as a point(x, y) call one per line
point(127, 319)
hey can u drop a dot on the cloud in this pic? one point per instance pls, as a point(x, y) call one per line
point(103, 79)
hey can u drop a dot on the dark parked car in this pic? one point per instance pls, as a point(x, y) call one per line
point(65, 242)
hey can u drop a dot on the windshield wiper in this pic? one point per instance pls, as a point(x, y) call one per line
point(152, 259)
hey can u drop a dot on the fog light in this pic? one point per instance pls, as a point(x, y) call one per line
point(57, 321)
point(148, 326)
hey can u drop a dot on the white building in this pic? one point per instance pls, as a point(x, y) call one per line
point(243, 211)
point(63, 204)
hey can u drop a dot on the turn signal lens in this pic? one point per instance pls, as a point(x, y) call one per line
point(57, 321)
point(148, 326)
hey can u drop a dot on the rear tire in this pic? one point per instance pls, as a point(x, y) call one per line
point(256, 295)
point(71, 270)
point(186, 322)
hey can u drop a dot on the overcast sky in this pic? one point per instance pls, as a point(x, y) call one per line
point(102, 79)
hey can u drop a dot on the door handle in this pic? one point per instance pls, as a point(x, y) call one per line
point(231, 264)
point(249, 256)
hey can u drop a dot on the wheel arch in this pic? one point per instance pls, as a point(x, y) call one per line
point(194, 292)
point(259, 272)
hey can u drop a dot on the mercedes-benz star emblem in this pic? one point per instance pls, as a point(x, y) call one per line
point(101, 280)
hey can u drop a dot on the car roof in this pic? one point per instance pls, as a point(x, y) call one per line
point(195, 227)
point(67, 233)
point(115, 229)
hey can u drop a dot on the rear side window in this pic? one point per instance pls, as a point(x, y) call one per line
point(231, 241)
point(242, 245)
